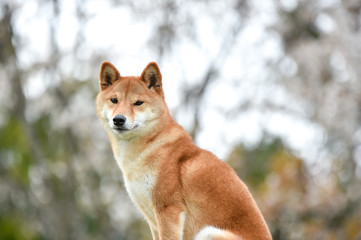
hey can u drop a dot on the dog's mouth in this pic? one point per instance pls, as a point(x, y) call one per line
point(123, 129)
point(120, 129)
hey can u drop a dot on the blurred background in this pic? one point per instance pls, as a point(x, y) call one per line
point(270, 86)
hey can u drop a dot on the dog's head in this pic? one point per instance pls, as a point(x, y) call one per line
point(129, 106)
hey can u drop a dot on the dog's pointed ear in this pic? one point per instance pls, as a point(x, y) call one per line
point(108, 75)
point(153, 78)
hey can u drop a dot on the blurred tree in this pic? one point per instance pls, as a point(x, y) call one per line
point(48, 189)
point(58, 179)
point(321, 39)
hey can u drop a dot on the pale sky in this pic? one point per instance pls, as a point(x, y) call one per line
point(244, 75)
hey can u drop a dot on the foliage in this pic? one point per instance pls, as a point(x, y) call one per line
point(58, 179)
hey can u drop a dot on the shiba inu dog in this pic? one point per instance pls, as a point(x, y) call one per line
point(183, 191)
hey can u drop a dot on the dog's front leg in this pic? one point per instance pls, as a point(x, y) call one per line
point(170, 221)
point(155, 234)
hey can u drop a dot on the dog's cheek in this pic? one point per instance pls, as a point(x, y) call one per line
point(142, 117)
point(153, 114)
point(105, 115)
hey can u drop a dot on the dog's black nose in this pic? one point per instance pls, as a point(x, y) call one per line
point(119, 120)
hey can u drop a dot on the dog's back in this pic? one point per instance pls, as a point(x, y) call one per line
point(209, 191)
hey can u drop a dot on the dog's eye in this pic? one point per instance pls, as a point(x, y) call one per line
point(138, 103)
point(114, 100)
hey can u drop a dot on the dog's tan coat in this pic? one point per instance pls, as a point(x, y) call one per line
point(183, 191)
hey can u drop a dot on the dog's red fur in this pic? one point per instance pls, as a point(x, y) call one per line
point(183, 191)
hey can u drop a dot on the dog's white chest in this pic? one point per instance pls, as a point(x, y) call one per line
point(139, 181)
point(140, 191)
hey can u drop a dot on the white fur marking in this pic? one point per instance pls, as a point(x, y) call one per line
point(140, 192)
point(182, 219)
point(139, 181)
point(209, 233)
